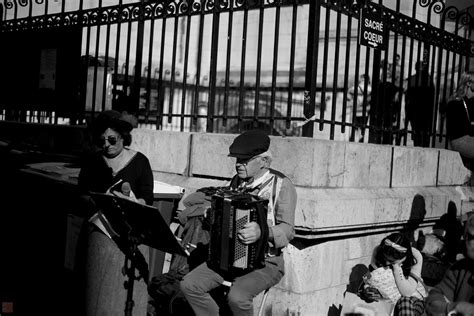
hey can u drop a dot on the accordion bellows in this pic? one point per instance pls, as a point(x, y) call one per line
point(230, 211)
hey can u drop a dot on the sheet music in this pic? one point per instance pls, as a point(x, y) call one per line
point(95, 219)
point(383, 280)
point(163, 187)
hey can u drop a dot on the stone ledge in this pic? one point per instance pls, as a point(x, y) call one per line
point(307, 162)
point(336, 209)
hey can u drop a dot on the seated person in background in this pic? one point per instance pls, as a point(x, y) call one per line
point(253, 176)
point(460, 119)
point(405, 262)
point(455, 293)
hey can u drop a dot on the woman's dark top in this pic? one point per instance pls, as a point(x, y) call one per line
point(460, 121)
point(96, 176)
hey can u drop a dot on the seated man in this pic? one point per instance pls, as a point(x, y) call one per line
point(253, 176)
point(455, 292)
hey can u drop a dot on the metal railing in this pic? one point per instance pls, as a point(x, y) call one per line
point(287, 66)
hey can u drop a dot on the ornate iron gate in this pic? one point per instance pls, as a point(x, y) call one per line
point(288, 66)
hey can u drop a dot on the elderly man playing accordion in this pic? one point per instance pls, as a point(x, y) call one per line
point(253, 176)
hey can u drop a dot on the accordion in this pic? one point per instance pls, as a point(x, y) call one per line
point(230, 211)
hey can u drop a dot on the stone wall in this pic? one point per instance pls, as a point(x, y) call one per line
point(350, 196)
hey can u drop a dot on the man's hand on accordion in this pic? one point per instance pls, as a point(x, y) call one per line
point(250, 233)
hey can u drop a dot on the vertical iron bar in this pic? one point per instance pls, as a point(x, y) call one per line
point(410, 67)
point(438, 85)
point(117, 54)
point(396, 64)
point(137, 80)
point(63, 16)
point(434, 106)
point(198, 67)
point(15, 10)
point(150, 64)
point(274, 66)
point(346, 73)
point(402, 73)
point(325, 68)
point(173, 67)
point(259, 64)
point(365, 104)
point(356, 84)
point(460, 69)
point(383, 117)
point(128, 91)
point(213, 68)
point(161, 88)
point(86, 64)
point(227, 68)
point(96, 66)
point(311, 67)
point(335, 74)
point(106, 64)
point(185, 70)
point(242, 70)
point(375, 135)
point(292, 65)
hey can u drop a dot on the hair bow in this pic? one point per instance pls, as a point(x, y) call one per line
point(396, 246)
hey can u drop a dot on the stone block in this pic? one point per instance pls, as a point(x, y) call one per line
point(209, 155)
point(313, 268)
point(167, 151)
point(309, 162)
point(359, 247)
point(451, 170)
point(365, 165)
point(414, 167)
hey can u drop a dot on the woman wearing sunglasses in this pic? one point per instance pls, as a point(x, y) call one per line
point(460, 119)
point(395, 254)
point(113, 168)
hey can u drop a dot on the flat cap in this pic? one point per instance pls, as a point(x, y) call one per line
point(249, 144)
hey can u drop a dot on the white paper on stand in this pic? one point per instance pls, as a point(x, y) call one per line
point(163, 187)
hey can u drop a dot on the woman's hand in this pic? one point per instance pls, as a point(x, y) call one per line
point(128, 194)
point(370, 294)
point(398, 262)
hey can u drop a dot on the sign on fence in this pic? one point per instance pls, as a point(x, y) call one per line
point(372, 30)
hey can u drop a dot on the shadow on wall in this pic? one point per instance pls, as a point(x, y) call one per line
point(440, 247)
point(417, 214)
point(450, 229)
point(334, 310)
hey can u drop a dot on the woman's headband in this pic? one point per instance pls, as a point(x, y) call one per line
point(397, 247)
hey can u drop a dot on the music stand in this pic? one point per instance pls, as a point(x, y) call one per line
point(131, 224)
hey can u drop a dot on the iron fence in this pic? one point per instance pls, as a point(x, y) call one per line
point(292, 67)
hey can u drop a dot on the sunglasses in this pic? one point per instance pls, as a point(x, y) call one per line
point(245, 162)
point(112, 140)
